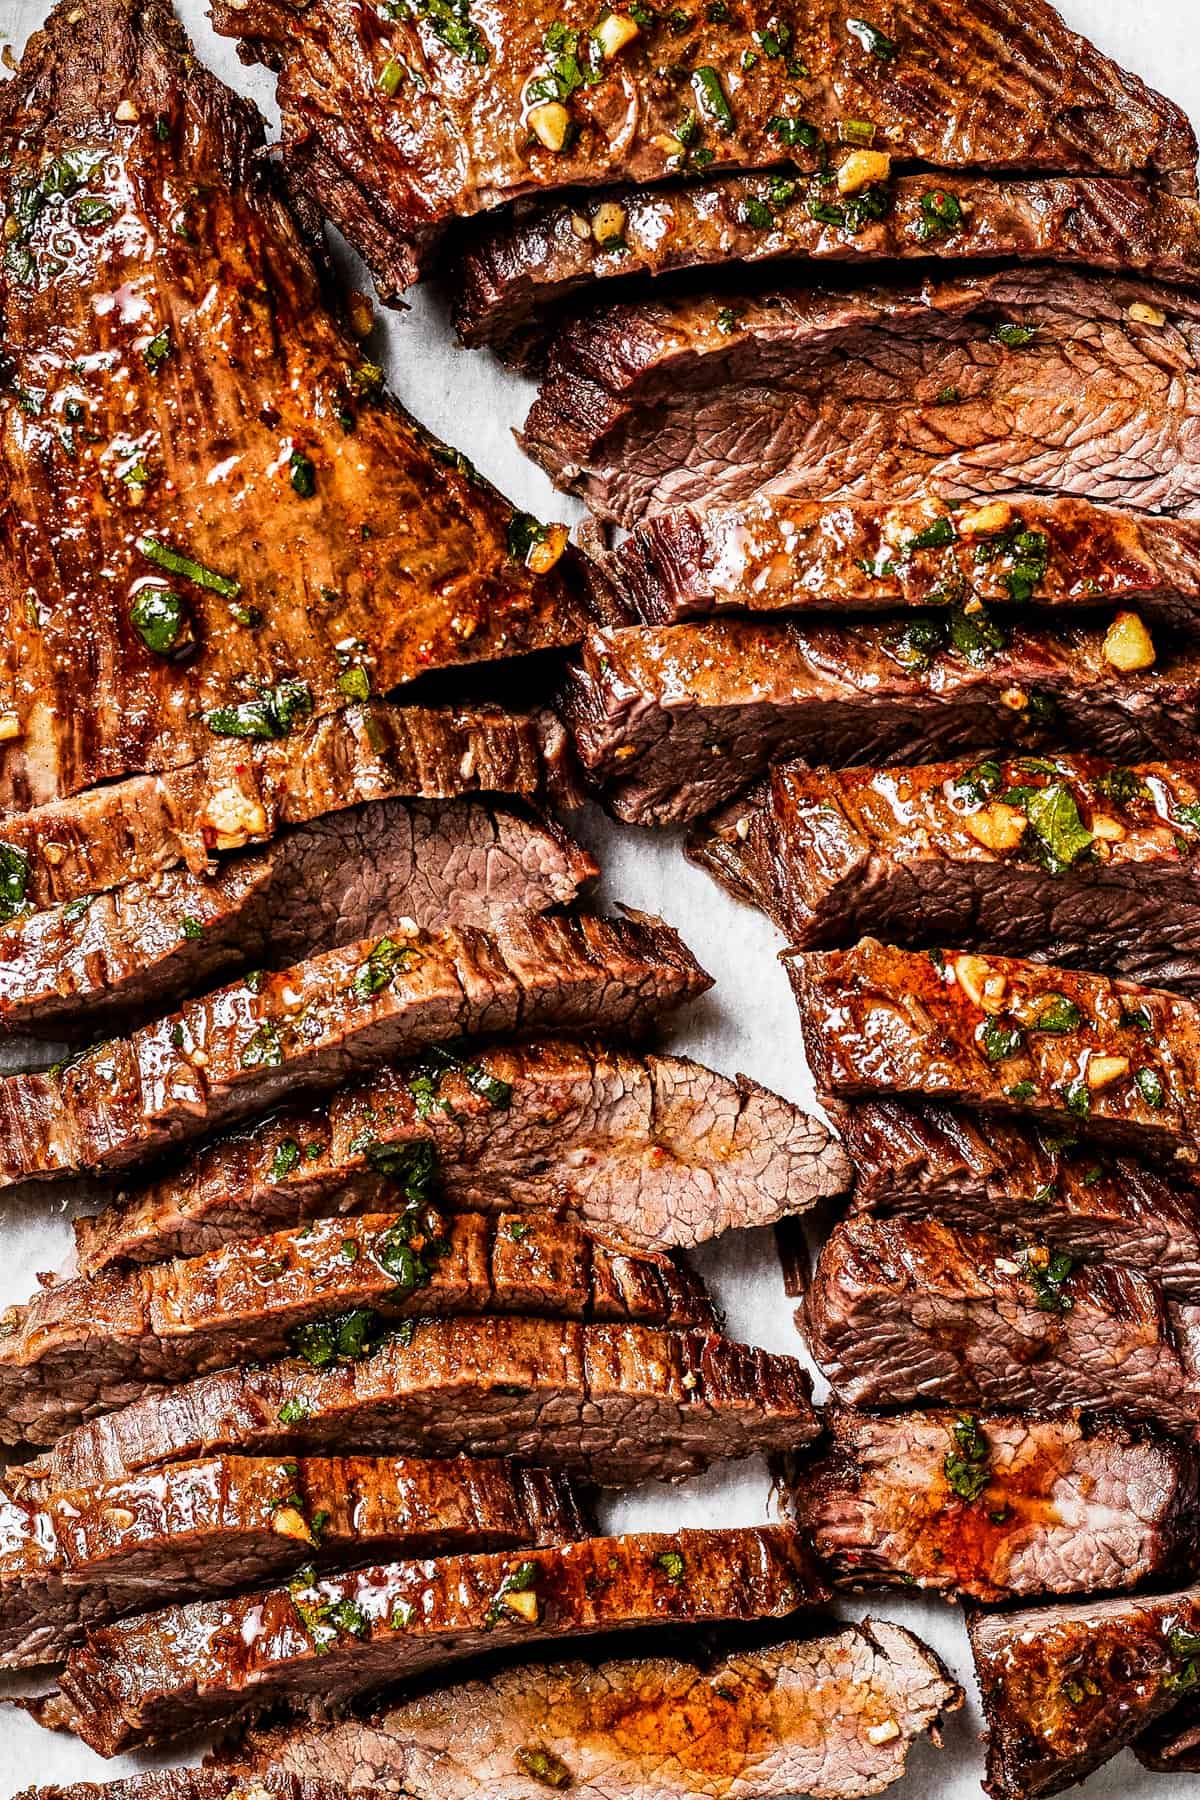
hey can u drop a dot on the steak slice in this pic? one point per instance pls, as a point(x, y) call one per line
point(325, 1292)
point(655, 1151)
point(1021, 379)
point(1066, 1687)
point(670, 721)
point(913, 1313)
point(518, 272)
point(672, 99)
point(780, 1719)
point(338, 1636)
point(240, 596)
point(996, 1175)
point(995, 1508)
point(613, 1403)
point(1172, 1747)
point(346, 876)
point(307, 1028)
point(76, 1558)
point(192, 1784)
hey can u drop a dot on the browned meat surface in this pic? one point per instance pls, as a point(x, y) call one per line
point(995, 1507)
point(1020, 380)
point(655, 1151)
point(399, 125)
point(1172, 1747)
point(670, 721)
point(192, 1784)
point(77, 1557)
point(1066, 1687)
point(207, 489)
point(912, 1313)
point(333, 1637)
point(276, 1035)
point(785, 1719)
point(614, 1403)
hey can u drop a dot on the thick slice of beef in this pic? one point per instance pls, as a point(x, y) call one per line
point(670, 93)
point(914, 1313)
point(613, 1403)
point(761, 1721)
point(518, 273)
point(194, 1784)
point(341, 878)
point(307, 1028)
point(988, 1174)
point(1018, 380)
point(656, 1151)
point(74, 1558)
point(1172, 1747)
point(1066, 1687)
point(258, 529)
point(325, 1292)
point(995, 1507)
point(670, 721)
point(334, 1637)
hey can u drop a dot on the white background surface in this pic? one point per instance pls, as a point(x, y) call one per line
point(748, 1023)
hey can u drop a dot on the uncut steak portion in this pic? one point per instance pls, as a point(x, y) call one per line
point(780, 1719)
point(614, 1404)
point(995, 1507)
point(74, 1558)
point(906, 1312)
point(654, 1151)
point(259, 530)
point(334, 1637)
point(670, 721)
point(1017, 380)
point(247, 1046)
point(341, 878)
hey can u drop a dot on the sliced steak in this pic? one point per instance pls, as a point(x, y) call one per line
point(1066, 1687)
point(193, 1784)
point(326, 884)
point(670, 721)
point(1023, 379)
point(306, 1028)
point(1024, 1183)
point(913, 1313)
point(331, 1638)
point(1172, 1747)
point(76, 1558)
point(996, 1507)
point(783, 1719)
point(163, 618)
point(613, 1403)
point(671, 96)
point(656, 1151)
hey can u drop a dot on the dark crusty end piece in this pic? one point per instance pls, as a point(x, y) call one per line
point(1172, 1747)
point(197, 1784)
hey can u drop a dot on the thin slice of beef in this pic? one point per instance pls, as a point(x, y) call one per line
point(331, 1638)
point(1066, 1687)
point(1172, 1747)
point(986, 1174)
point(341, 878)
point(612, 1403)
point(656, 1151)
point(995, 1507)
point(904, 1313)
point(194, 1784)
point(1017, 380)
point(307, 1028)
point(669, 93)
point(75, 1558)
point(781, 1719)
point(670, 721)
point(519, 273)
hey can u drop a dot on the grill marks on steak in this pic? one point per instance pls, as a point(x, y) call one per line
point(338, 1636)
point(238, 351)
point(1029, 1507)
point(326, 884)
point(246, 1046)
point(882, 393)
point(76, 1558)
point(783, 1719)
point(671, 721)
point(613, 1403)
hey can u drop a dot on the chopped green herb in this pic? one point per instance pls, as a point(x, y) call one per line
point(177, 562)
point(272, 715)
point(355, 683)
point(1059, 834)
point(1014, 337)
point(872, 39)
point(387, 960)
point(793, 134)
point(304, 474)
point(947, 396)
point(1185, 1648)
point(157, 350)
point(264, 1050)
point(976, 635)
point(1021, 1090)
point(293, 1412)
point(286, 1158)
point(403, 1614)
point(712, 99)
point(391, 77)
point(672, 1565)
point(1057, 1014)
point(1077, 1098)
point(933, 537)
point(450, 20)
point(978, 783)
point(524, 531)
point(918, 641)
point(518, 1231)
point(543, 1766)
point(160, 618)
point(757, 213)
point(941, 215)
point(967, 1466)
point(1047, 1280)
point(77, 909)
point(14, 881)
point(1151, 1088)
point(347, 1337)
point(191, 928)
point(1123, 787)
point(1079, 1689)
point(1000, 1041)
